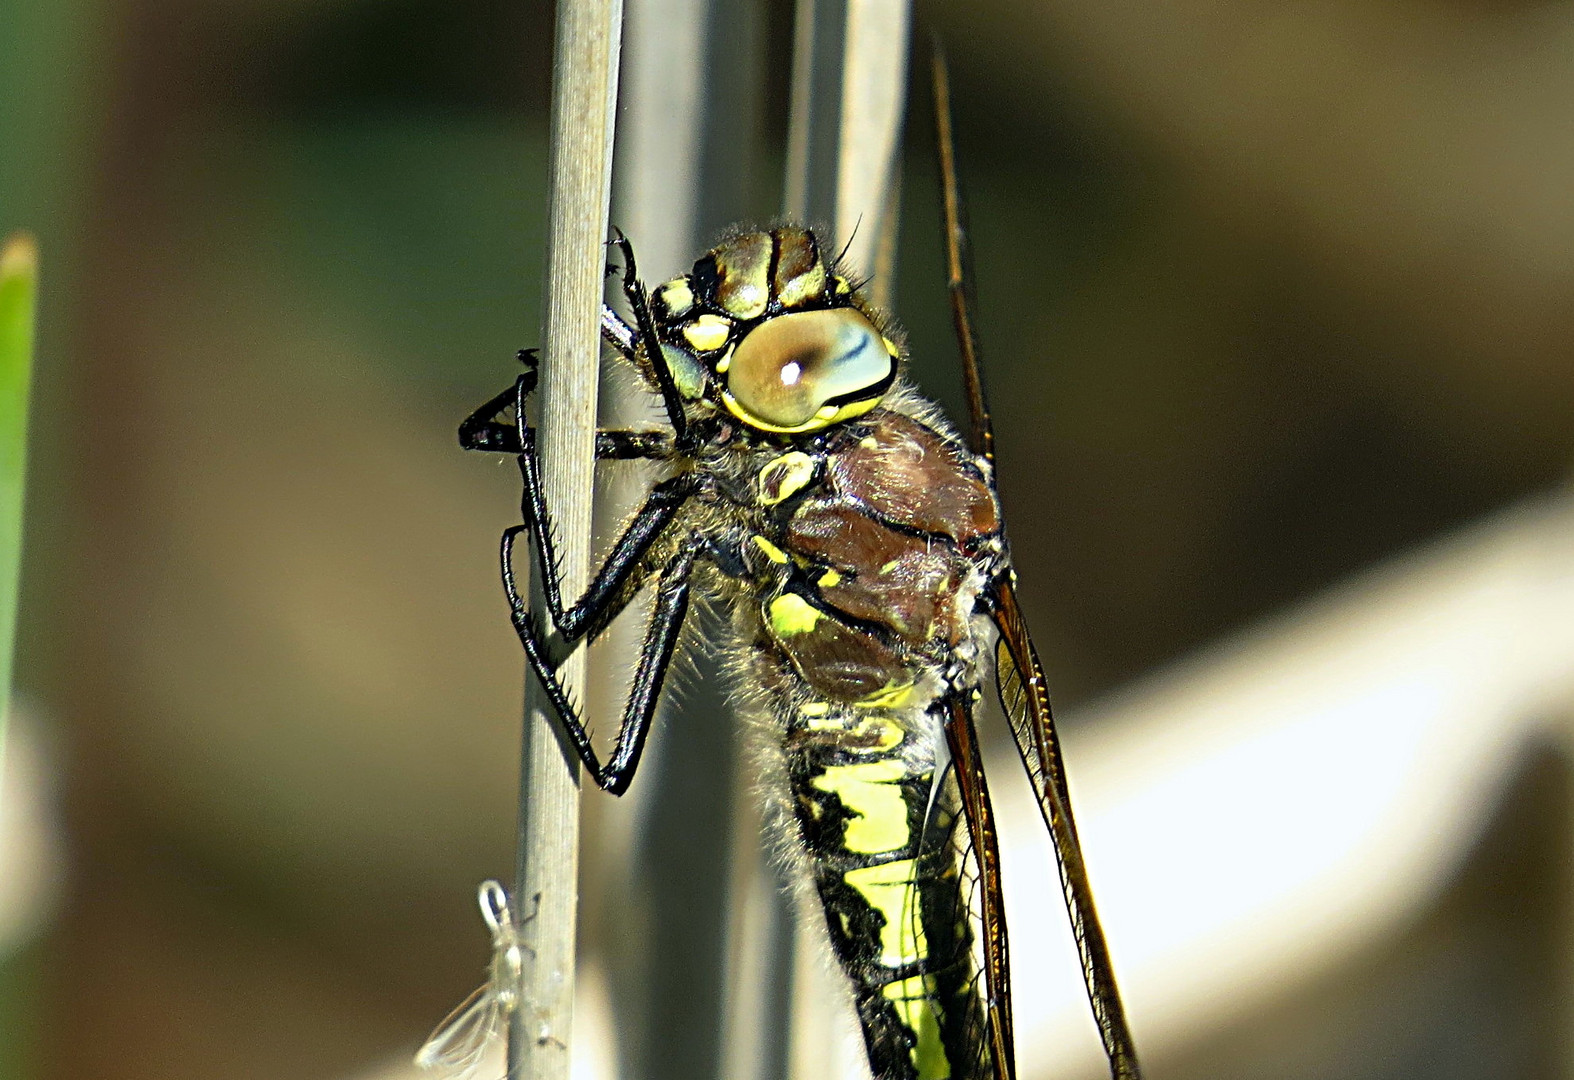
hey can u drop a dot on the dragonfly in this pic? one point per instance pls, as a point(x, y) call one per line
point(856, 541)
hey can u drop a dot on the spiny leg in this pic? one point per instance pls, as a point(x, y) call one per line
point(619, 334)
point(660, 507)
point(650, 343)
point(482, 430)
point(661, 637)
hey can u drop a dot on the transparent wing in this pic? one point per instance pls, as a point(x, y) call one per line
point(460, 1044)
point(944, 908)
point(462, 1040)
point(981, 891)
point(1026, 701)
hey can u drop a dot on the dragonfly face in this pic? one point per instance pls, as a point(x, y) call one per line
point(764, 329)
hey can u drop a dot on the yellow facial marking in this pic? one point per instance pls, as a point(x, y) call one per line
point(744, 266)
point(791, 615)
point(678, 297)
point(825, 417)
point(804, 287)
point(748, 300)
point(829, 579)
point(870, 790)
point(913, 999)
point(724, 363)
point(889, 889)
point(839, 285)
point(783, 477)
point(770, 550)
point(688, 374)
point(708, 332)
point(890, 347)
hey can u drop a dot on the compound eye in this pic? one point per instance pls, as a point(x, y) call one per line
point(808, 370)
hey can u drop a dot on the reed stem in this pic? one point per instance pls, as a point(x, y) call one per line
point(546, 893)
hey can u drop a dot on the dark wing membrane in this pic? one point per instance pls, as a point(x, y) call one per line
point(1026, 701)
point(983, 892)
point(981, 435)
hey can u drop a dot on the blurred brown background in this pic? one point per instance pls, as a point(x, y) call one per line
point(1269, 292)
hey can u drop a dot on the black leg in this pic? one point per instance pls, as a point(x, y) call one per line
point(620, 335)
point(639, 304)
point(482, 430)
point(661, 637)
point(660, 507)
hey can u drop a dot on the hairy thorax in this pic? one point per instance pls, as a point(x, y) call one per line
point(867, 562)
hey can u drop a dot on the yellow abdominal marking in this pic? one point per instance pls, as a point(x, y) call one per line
point(791, 615)
point(888, 887)
point(892, 565)
point(892, 695)
point(887, 734)
point(871, 791)
point(913, 999)
point(771, 551)
point(815, 708)
point(783, 477)
point(707, 332)
point(828, 579)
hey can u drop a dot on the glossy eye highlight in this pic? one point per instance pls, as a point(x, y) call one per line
point(808, 370)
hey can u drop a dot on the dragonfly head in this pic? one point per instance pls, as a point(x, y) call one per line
point(763, 328)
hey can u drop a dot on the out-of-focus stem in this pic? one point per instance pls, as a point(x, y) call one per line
point(18, 291)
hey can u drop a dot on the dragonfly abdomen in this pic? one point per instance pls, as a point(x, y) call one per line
point(878, 833)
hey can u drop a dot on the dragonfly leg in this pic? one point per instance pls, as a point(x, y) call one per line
point(482, 430)
point(649, 342)
point(661, 637)
point(607, 586)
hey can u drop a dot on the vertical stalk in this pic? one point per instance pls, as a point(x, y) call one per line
point(659, 993)
point(688, 157)
point(18, 281)
point(584, 99)
point(849, 83)
point(844, 138)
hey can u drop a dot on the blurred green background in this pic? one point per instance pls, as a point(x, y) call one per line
point(1268, 292)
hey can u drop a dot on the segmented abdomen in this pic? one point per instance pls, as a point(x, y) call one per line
point(881, 839)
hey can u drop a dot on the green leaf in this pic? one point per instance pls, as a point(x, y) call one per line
point(18, 291)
